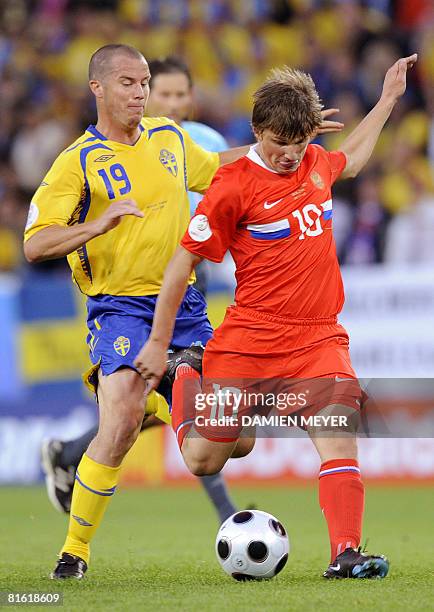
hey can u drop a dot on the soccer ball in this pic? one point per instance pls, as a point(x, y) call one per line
point(252, 545)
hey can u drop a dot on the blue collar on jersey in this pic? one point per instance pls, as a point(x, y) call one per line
point(92, 129)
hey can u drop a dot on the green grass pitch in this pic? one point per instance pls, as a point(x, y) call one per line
point(155, 551)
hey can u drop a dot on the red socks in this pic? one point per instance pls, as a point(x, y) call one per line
point(342, 498)
point(184, 390)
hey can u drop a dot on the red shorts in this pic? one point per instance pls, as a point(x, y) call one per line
point(304, 362)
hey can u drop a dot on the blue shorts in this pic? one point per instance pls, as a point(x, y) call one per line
point(120, 325)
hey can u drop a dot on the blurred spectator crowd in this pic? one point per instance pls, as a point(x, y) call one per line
point(385, 215)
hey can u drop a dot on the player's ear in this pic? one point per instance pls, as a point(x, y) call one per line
point(96, 88)
point(257, 133)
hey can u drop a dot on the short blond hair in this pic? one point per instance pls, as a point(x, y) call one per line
point(287, 104)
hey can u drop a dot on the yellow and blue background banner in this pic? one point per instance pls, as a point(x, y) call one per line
point(43, 354)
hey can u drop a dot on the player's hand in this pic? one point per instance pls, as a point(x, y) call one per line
point(114, 213)
point(395, 81)
point(329, 126)
point(151, 363)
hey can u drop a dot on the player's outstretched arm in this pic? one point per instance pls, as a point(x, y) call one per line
point(57, 241)
point(231, 155)
point(360, 143)
point(151, 360)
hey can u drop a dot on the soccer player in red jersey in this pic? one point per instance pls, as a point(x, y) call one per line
point(273, 210)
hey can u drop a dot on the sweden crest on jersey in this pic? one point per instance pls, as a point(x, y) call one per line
point(168, 159)
point(122, 345)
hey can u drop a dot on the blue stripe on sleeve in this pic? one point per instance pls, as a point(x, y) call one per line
point(82, 143)
point(82, 251)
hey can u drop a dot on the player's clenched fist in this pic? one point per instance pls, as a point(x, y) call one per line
point(151, 363)
point(395, 80)
point(114, 213)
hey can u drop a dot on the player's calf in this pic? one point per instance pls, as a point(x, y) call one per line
point(112, 443)
point(244, 447)
point(122, 407)
point(204, 457)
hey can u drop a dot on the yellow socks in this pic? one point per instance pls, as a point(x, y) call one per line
point(94, 485)
point(156, 404)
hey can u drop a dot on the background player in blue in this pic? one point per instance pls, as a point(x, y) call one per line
point(171, 96)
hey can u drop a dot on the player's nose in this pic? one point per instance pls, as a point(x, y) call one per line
point(173, 103)
point(292, 156)
point(292, 153)
point(139, 94)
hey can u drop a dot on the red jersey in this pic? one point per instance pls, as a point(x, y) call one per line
point(278, 229)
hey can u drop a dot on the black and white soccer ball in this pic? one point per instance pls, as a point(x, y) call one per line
point(252, 545)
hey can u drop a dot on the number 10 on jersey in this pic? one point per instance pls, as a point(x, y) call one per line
point(309, 226)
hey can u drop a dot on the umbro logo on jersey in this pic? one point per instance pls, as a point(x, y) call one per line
point(271, 204)
point(103, 158)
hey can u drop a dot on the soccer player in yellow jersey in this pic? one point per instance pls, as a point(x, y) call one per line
point(115, 203)
point(171, 95)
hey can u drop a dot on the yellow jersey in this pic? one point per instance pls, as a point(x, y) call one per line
point(157, 172)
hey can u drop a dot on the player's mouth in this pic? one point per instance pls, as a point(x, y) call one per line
point(288, 165)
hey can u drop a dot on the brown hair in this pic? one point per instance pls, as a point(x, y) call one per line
point(169, 65)
point(287, 104)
